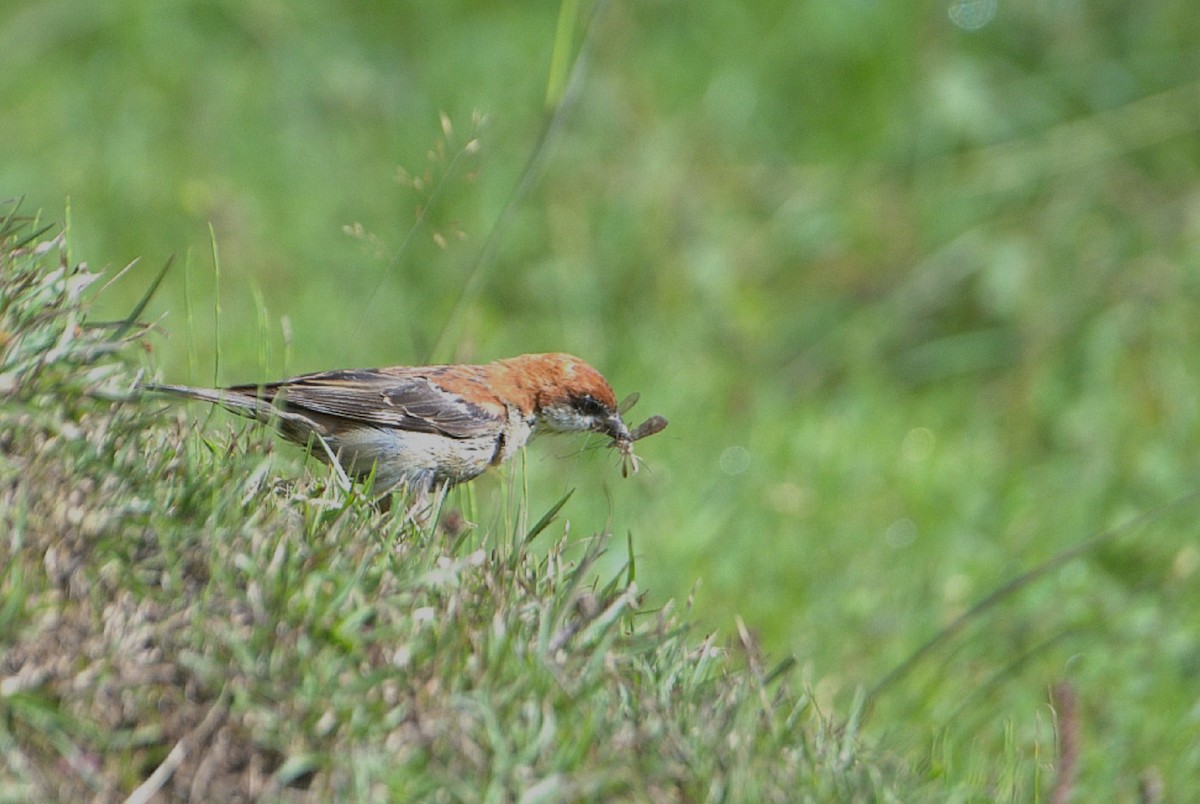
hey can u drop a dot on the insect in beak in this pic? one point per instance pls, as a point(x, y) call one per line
point(623, 441)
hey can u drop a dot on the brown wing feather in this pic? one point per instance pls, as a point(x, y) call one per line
point(374, 396)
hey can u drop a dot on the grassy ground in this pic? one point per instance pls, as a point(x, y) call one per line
point(914, 284)
point(177, 622)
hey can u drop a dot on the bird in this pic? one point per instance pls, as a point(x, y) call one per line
point(425, 429)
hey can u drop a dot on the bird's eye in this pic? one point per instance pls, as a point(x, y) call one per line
point(589, 405)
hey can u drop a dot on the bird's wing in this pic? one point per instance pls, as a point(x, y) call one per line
point(404, 400)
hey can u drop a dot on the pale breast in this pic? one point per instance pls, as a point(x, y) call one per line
point(416, 460)
point(517, 432)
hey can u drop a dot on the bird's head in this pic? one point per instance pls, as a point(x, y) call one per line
point(569, 396)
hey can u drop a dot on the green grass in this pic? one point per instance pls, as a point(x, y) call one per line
point(918, 300)
point(175, 616)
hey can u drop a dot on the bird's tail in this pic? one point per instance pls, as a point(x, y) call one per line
point(239, 402)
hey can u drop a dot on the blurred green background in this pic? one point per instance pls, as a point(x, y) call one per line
point(915, 284)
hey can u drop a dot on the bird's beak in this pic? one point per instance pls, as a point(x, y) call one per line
point(615, 429)
point(622, 441)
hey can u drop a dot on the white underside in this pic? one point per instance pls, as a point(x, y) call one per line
point(421, 461)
